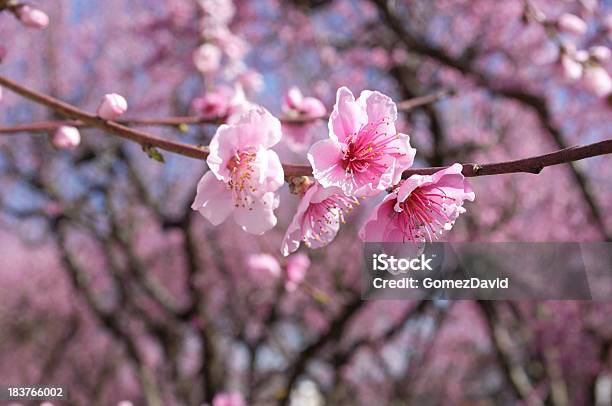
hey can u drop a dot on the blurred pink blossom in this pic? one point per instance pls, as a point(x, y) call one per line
point(572, 69)
point(32, 17)
point(597, 81)
point(112, 106)
point(571, 24)
point(364, 153)
point(299, 136)
point(600, 53)
point(223, 101)
point(251, 80)
point(207, 58)
point(317, 219)
point(228, 399)
point(66, 137)
point(244, 175)
point(221, 11)
point(263, 264)
point(420, 209)
point(297, 265)
point(295, 102)
point(608, 25)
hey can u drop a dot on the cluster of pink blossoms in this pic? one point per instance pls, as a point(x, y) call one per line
point(364, 156)
point(586, 67)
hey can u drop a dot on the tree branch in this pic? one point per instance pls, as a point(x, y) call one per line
point(529, 165)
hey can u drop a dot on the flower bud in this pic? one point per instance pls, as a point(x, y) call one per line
point(572, 69)
point(207, 58)
point(66, 138)
point(571, 24)
point(599, 53)
point(32, 17)
point(112, 107)
point(597, 81)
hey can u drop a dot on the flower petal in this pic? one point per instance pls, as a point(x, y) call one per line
point(347, 117)
point(259, 217)
point(213, 200)
point(325, 157)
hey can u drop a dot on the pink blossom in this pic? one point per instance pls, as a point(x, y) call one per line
point(263, 264)
point(607, 23)
point(597, 81)
point(32, 17)
point(207, 58)
point(112, 106)
point(317, 219)
point(297, 265)
point(420, 209)
point(221, 102)
point(364, 153)
point(66, 137)
point(295, 102)
point(572, 69)
point(228, 399)
point(233, 46)
point(251, 80)
point(571, 24)
point(600, 53)
point(222, 11)
point(299, 136)
point(244, 175)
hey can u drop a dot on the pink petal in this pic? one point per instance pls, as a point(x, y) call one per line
point(347, 117)
point(325, 157)
point(373, 230)
point(378, 106)
point(213, 200)
point(259, 217)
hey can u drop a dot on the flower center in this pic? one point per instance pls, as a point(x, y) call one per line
point(425, 214)
point(365, 148)
point(319, 217)
point(241, 176)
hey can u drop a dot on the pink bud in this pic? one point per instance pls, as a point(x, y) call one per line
point(66, 138)
point(251, 80)
point(597, 81)
point(228, 399)
point(297, 265)
point(608, 25)
point(207, 58)
point(572, 69)
point(293, 98)
point(599, 53)
point(313, 107)
point(112, 107)
point(32, 17)
point(571, 24)
point(263, 264)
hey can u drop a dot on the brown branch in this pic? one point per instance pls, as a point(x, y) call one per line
point(178, 121)
point(527, 165)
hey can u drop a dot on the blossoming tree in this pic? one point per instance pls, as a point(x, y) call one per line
point(131, 132)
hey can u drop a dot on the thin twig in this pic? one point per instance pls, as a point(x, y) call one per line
point(527, 165)
point(179, 121)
